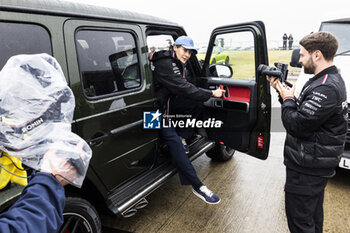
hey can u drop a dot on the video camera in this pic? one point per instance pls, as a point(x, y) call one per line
point(280, 71)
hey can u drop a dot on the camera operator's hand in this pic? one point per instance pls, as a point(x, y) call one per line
point(60, 167)
point(284, 90)
point(218, 92)
point(273, 81)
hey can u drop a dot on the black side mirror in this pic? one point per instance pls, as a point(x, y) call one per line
point(294, 62)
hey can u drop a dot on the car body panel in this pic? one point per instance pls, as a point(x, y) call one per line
point(117, 120)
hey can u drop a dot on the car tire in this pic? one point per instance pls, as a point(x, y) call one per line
point(81, 213)
point(227, 61)
point(220, 153)
point(213, 61)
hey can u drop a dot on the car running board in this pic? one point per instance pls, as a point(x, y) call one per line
point(124, 201)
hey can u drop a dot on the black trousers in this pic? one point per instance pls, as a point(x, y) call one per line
point(170, 136)
point(179, 158)
point(304, 195)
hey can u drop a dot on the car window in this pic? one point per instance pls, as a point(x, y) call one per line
point(341, 32)
point(158, 42)
point(218, 50)
point(108, 62)
point(236, 50)
point(202, 50)
point(20, 38)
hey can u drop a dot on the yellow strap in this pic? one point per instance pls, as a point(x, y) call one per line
point(10, 171)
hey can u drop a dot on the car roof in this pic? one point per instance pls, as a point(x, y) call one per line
point(65, 8)
point(344, 20)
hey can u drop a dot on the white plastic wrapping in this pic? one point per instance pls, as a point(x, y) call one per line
point(36, 111)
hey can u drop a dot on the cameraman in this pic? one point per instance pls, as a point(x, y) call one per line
point(316, 126)
point(59, 156)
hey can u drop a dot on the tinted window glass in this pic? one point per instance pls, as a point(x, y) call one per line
point(16, 38)
point(108, 62)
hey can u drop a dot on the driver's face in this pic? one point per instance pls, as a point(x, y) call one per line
point(182, 53)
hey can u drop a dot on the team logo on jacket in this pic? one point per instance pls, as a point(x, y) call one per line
point(151, 120)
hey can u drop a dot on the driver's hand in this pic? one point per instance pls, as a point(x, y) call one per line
point(218, 92)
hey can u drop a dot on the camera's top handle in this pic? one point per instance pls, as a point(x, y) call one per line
point(273, 73)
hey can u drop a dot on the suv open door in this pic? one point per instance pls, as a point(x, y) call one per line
point(233, 56)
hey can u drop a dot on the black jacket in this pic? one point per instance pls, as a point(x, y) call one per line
point(316, 125)
point(170, 79)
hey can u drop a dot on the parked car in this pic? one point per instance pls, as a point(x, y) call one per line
point(218, 56)
point(104, 56)
point(340, 28)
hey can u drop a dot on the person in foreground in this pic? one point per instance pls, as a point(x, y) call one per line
point(55, 154)
point(176, 95)
point(316, 125)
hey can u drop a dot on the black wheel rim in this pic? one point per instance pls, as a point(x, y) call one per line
point(75, 223)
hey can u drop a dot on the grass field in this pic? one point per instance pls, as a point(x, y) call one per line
point(242, 62)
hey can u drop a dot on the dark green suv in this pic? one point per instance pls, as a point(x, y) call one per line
point(104, 54)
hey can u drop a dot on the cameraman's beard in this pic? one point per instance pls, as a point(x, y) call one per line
point(310, 67)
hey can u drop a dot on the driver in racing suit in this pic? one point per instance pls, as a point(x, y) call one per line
point(176, 95)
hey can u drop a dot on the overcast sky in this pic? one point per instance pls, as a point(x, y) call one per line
point(200, 17)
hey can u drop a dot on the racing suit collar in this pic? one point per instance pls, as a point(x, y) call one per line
point(330, 70)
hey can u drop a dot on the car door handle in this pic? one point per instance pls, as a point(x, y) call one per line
point(218, 103)
point(97, 139)
point(125, 128)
